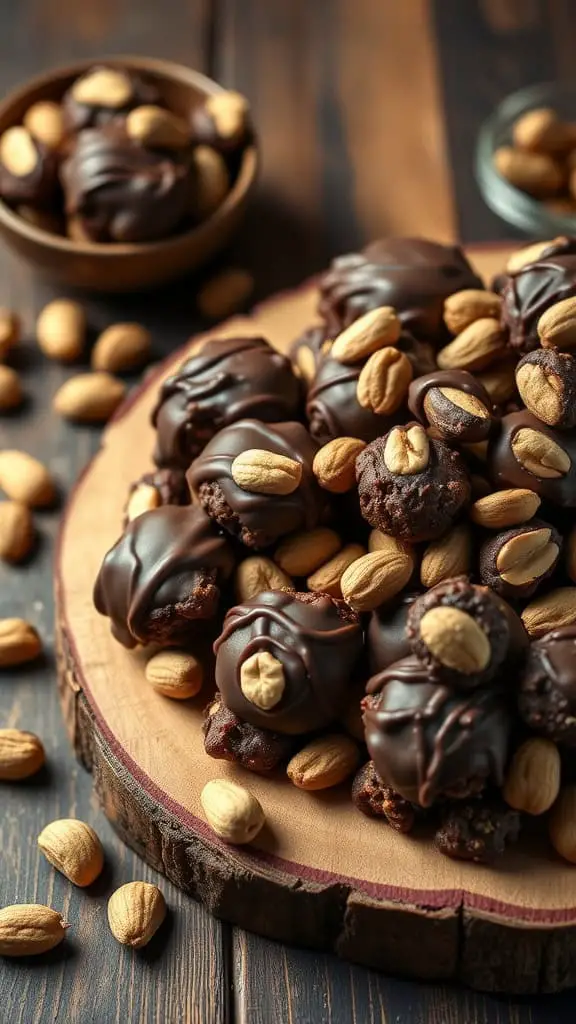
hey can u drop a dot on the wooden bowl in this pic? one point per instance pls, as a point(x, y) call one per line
point(97, 267)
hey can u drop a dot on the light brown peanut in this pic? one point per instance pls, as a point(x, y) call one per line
point(175, 674)
point(300, 554)
point(21, 755)
point(536, 173)
point(225, 293)
point(376, 577)
point(478, 345)
point(135, 912)
point(455, 639)
point(45, 122)
point(539, 454)
point(19, 642)
point(462, 308)
point(61, 330)
point(89, 397)
point(262, 680)
point(371, 332)
point(557, 325)
point(562, 824)
point(384, 381)
point(74, 849)
point(157, 127)
point(334, 464)
point(16, 531)
point(323, 763)
point(28, 929)
point(533, 779)
point(232, 812)
point(121, 347)
point(258, 573)
point(23, 478)
point(502, 509)
point(450, 556)
point(327, 579)
point(407, 450)
point(555, 609)
point(265, 472)
point(103, 87)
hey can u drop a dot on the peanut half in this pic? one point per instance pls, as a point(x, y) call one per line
point(175, 674)
point(74, 849)
point(264, 472)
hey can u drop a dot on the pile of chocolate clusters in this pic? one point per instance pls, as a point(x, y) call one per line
point(379, 535)
point(112, 163)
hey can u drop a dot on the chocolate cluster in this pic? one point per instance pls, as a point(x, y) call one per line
point(378, 532)
point(113, 161)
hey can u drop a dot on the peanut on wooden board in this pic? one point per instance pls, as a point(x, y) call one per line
point(74, 849)
point(28, 929)
point(135, 912)
point(232, 811)
point(23, 478)
point(323, 763)
point(176, 674)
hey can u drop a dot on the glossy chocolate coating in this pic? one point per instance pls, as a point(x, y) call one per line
point(547, 692)
point(413, 275)
point(333, 409)
point(528, 293)
point(492, 576)
point(162, 575)
point(169, 484)
point(506, 471)
point(257, 519)
point(386, 639)
point(40, 189)
point(122, 192)
point(481, 605)
point(421, 354)
point(78, 116)
point(427, 740)
point(317, 639)
point(229, 379)
point(307, 350)
point(416, 506)
point(466, 427)
point(559, 370)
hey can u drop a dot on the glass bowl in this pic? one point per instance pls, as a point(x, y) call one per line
point(531, 215)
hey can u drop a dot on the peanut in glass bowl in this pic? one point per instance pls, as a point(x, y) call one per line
point(97, 267)
point(532, 216)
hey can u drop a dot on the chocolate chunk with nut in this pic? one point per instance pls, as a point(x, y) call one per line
point(528, 454)
point(223, 122)
point(454, 403)
point(104, 95)
point(428, 740)
point(152, 490)
point(28, 170)
point(458, 630)
point(531, 290)
point(255, 480)
point(478, 830)
point(410, 486)
point(373, 798)
point(386, 639)
point(286, 661)
point(227, 380)
point(307, 350)
point(413, 275)
point(228, 738)
point(333, 407)
point(163, 577)
point(547, 689)
point(546, 380)
point(516, 562)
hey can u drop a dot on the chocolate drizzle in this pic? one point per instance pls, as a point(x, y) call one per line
point(528, 293)
point(162, 573)
point(333, 409)
point(427, 740)
point(229, 379)
point(317, 640)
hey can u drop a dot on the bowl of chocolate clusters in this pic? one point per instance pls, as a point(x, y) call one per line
point(124, 174)
point(526, 160)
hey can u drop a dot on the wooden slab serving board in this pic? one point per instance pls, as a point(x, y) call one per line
point(320, 874)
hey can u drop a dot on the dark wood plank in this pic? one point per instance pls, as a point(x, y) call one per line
point(487, 50)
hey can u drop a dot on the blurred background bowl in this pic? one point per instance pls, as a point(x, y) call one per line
point(97, 267)
point(532, 216)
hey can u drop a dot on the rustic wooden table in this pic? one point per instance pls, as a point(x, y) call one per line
point(368, 112)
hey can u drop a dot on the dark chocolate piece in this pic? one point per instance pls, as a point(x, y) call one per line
point(318, 642)
point(118, 191)
point(307, 351)
point(529, 292)
point(228, 738)
point(162, 576)
point(229, 379)
point(429, 741)
point(39, 188)
point(454, 403)
point(543, 460)
point(516, 562)
point(546, 380)
point(373, 798)
point(223, 122)
point(169, 484)
point(78, 116)
point(421, 354)
point(478, 604)
point(333, 409)
point(386, 638)
point(547, 691)
point(258, 520)
point(413, 275)
point(478, 830)
point(410, 486)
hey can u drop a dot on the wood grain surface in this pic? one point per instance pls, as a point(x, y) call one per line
point(320, 114)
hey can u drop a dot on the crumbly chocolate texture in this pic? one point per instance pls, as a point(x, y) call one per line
point(317, 640)
point(119, 191)
point(416, 506)
point(373, 798)
point(227, 380)
point(432, 401)
point(413, 275)
point(506, 471)
point(478, 830)
point(529, 292)
point(546, 380)
point(480, 605)
point(333, 409)
point(163, 576)
point(39, 189)
point(386, 639)
point(258, 520)
point(228, 738)
point(78, 116)
point(547, 689)
point(428, 740)
point(307, 351)
point(519, 576)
